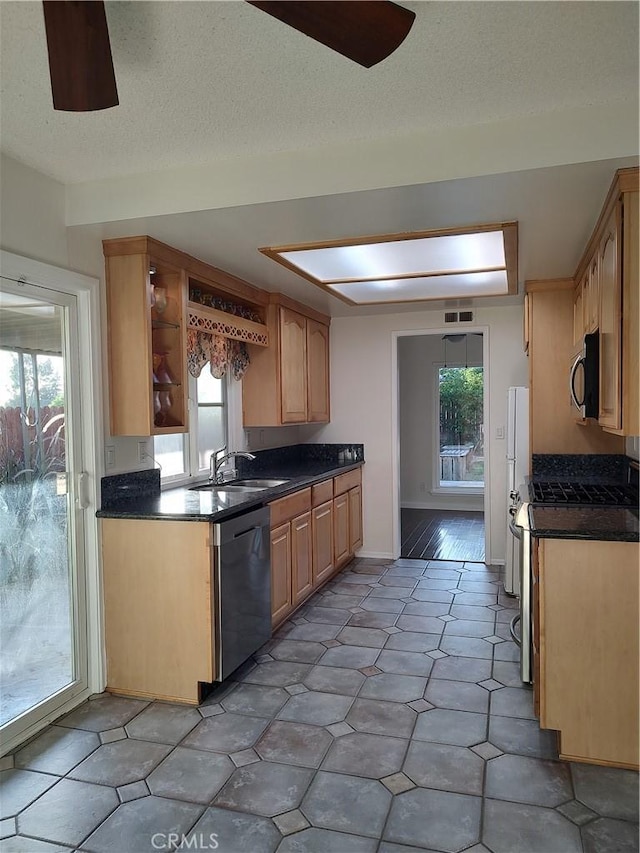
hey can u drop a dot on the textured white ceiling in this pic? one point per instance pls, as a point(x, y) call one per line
point(199, 81)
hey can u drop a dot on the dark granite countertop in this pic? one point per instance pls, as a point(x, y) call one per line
point(616, 524)
point(182, 504)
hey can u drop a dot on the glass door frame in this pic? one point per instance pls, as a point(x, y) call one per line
point(79, 295)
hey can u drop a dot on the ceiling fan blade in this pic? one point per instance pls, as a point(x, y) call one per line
point(366, 31)
point(80, 63)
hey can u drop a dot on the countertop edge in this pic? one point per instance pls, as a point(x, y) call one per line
point(127, 510)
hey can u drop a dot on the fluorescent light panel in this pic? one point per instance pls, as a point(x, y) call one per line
point(429, 287)
point(444, 254)
point(480, 261)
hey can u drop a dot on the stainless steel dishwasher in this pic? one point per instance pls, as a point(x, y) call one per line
point(242, 571)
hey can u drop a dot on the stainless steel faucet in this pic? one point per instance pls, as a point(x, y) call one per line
point(216, 462)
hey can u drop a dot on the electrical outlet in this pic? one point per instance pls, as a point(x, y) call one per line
point(109, 457)
point(423, 488)
point(142, 451)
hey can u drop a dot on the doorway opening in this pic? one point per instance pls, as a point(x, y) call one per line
point(441, 407)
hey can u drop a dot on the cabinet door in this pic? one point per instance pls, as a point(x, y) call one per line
point(147, 345)
point(280, 572)
point(322, 541)
point(610, 414)
point(355, 519)
point(341, 529)
point(301, 560)
point(593, 296)
point(578, 311)
point(293, 367)
point(317, 372)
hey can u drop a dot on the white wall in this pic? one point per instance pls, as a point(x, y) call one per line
point(361, 405)
point(419, 357)
point(32, 214)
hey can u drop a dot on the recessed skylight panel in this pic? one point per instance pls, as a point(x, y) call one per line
point(417, 289)
point(475, 261)
point(449, 253)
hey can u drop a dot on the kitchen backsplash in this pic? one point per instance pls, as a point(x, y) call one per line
point(611, 468)
point(301, 454)
point(132, 484)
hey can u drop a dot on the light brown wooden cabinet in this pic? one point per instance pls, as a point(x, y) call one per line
point(341, 529)
point(293, 367)
point(159, 608)
point(347, 515)
point(313, 535)
point(604, 295)
point(610, 409)
point(301, 559)
point(281, 595)
point(355, 519)
point(555, 425)
point(317, 372)
point(322, 529)
point(288, 382)
point(609, 277)
point(147, 342)
point(586, 644)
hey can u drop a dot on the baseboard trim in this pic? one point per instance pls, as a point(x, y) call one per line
point(375, 555)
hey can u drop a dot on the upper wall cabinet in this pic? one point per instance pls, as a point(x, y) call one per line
point(147, 344)
point(288, 383)
point(606, 299)
point(148, 314)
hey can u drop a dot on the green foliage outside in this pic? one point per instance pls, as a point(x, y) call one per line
point(49, 384)
point(461, 396)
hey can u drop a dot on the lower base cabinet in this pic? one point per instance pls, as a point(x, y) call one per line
point(280, 572)
point(341, 529)
point(158, 608)
point(301, 559)
point(322, 548)
point(587, 648)
point(309, 542)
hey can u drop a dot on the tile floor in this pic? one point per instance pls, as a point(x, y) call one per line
point(386, 716)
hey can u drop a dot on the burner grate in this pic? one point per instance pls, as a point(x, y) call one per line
point(582, 494)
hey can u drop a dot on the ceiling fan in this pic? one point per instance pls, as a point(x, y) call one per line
point(81, 65)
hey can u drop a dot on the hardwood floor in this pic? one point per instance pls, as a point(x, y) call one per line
point(429, 534)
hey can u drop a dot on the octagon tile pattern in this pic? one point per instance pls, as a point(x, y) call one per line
point(386, 716)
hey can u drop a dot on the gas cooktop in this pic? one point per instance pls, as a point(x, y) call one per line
point(582, 494)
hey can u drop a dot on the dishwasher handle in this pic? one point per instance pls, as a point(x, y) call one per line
point(248, 522)
point(248, 530)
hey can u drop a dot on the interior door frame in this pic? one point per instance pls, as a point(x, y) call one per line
point(20, 270)
point(395, 427)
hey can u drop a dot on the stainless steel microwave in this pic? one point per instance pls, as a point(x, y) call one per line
point(584, 377)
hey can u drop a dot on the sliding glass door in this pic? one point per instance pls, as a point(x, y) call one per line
point(43, 648)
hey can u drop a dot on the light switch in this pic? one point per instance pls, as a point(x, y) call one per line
point(500, 432)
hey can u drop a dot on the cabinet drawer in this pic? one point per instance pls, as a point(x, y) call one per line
point(321, 492)
point(344, 482)
point(286, 508)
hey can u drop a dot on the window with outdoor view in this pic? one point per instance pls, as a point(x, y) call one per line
point(187, 455)
point(461, 434)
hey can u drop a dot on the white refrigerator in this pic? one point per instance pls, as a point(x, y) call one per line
point(517, 469)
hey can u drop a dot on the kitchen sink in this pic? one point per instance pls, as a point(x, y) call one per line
point(238, 486)
point(260, 484)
